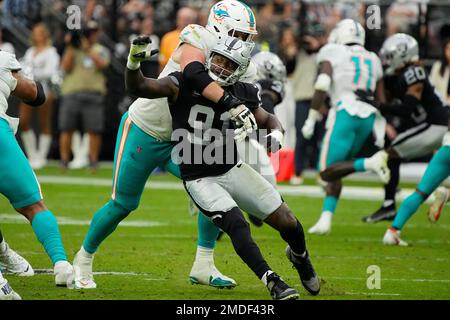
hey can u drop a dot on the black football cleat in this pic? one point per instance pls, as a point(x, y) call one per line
point(256, 222)
point(305, 270)
point(382, 214)
point(279, 290)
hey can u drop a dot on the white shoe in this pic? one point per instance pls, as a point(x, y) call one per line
point(441, 196)
point(323, 226)
point(205, 272)
point(64, 274)
point(6, 292)
point(11, 262)
point(392, 238)
point(78, 163)
point(38, 163)
point(378, 164)
point(84, 277)
point(296, 181)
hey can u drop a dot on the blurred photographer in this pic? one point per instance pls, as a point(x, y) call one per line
point(303, 78)
point(83, 91)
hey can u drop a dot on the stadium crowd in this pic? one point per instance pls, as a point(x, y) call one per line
point(83, 69)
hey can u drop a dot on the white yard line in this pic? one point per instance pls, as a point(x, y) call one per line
point(354, 193)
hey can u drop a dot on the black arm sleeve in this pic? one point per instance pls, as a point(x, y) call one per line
point(40, 97)
point(196, 75)
point(404, 109)
point(268, 103)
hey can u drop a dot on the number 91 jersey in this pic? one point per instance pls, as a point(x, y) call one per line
point(202, 131)
point(432, 108)
point(354, 68)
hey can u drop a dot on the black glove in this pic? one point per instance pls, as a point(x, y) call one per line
point(367, 96)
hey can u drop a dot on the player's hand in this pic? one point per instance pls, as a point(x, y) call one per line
point(368, 97)
point(244, 120)
point(140, 50)
point(310, 123)
point(274, 141)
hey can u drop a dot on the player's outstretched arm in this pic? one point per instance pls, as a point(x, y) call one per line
point(135, 81)
point(321, 86)
point(29, 91)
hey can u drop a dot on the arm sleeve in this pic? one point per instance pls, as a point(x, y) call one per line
point(404, 109)
point(197, 76)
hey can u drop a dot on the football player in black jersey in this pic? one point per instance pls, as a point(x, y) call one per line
point(218, 182)
point(416, 101)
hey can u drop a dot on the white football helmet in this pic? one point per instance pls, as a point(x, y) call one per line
point(398, 50)
point(269, 66)
point(235, 50)
point(228, 16)
point(348, 31)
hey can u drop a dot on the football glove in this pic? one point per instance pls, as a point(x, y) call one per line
point(244, 120)
point(274, 141)
point(446, 140)
point(308, 127)
point(140, 50)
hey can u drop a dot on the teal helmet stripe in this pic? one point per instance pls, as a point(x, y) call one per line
point(250, 14)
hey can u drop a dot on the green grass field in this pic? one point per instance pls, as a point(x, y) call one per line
point(153, 262)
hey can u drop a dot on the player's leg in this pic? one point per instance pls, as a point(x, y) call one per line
point(19, 184)
point(213, 199)
point(416, 142)
point(259, 198)
point(336, 147)
point(203, 270)
point(437, 171)
point(134, 161)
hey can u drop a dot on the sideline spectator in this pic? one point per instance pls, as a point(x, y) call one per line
point(170, 40)
point(83, 91)
point(42, 62)
point(440, 72)
point(306, 151)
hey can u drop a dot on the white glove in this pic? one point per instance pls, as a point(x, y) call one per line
point(446, 140)
point(244, 119)
point(140, 50)
point(274, 141)
point(310, 123)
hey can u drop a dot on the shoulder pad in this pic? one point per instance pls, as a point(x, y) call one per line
point(199, 37)
point(9, 62)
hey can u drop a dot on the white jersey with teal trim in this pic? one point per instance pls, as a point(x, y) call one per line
point(8, 83)
point(354, 68)
point(153, 115)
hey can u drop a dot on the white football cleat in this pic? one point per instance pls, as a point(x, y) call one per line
point(64, 274)
point(6, 292)
point(84, 277)
point(378, 164)
point(441, 196)
point(205, 272)
point(392, 238)
point(323, 226)
point(12, 263)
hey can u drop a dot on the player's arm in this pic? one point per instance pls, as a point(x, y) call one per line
point(270, 122)
point(192, 62)
point(321, 86)
point(410, 103)
point(29, 91)
point(149, 88)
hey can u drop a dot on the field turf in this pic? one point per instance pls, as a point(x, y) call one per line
point(153, 260)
